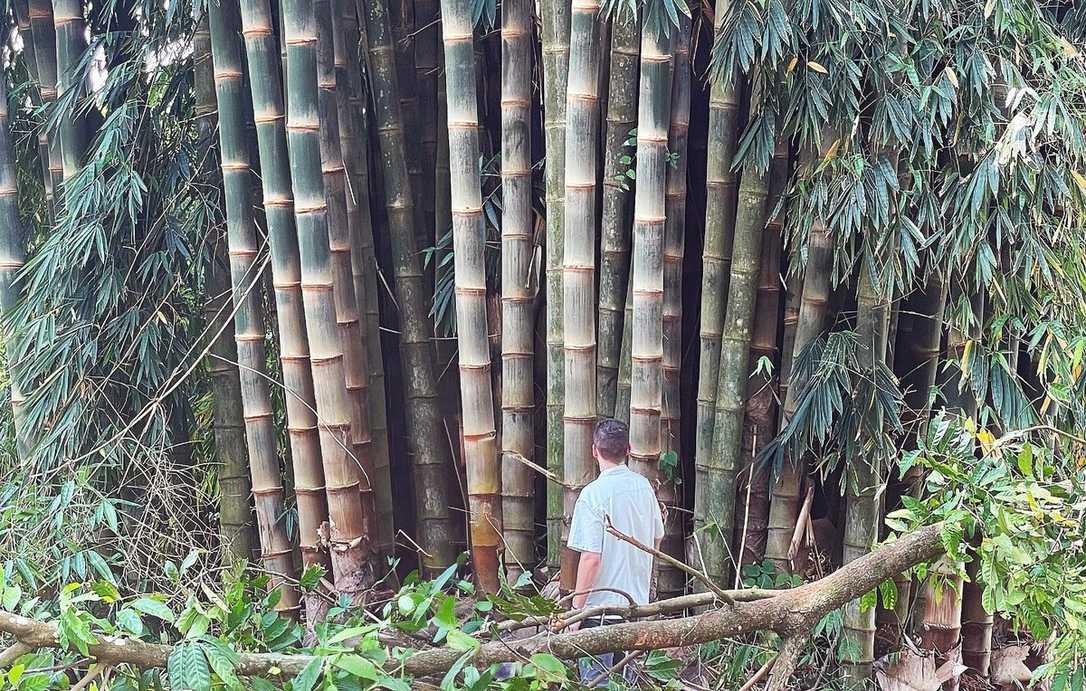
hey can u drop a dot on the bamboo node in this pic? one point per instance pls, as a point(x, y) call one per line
point(268, 491)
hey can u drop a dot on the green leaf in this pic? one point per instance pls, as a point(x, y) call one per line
point(352, 632)
point(549, 668)
point(12, 595)
point(357, 666)
point(222, 660)
point(153, 608)
point(187, 668)
point(130, 621)
point(307, 679)
point(1025, 459)
point(446, 613)
point(868, 601)
point(311, 577)
point(392, 684)
point(458, 640)
point(888, 592)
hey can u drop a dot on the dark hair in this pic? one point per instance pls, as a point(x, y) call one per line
point(612, 439)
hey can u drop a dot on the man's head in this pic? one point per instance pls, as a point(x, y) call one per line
point(611, 441)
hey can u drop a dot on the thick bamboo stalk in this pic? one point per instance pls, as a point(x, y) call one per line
point(617, 197)
point(721, 198)
point(429, 446)
point(245, 273)
point(760, 421)
point(672, 582)
point(919, 347)
point(863, 510)
point(352, 343)
point(354, 143)
point(518, 287)
point(70, 26)
point(427, 74)
point(402, 22)
point(44, 38)
point(647, 344)
point(751, 216)
point(301, 412)
point(555, 23)
point(305, 440)
point(480, 457)
point(21, 11)
point(579, 259)
point(625, 364)
point(12, 260)
point(341, 472)
point(814, 302)
point(236, 531)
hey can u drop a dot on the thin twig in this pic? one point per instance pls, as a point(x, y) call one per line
point(759, 675)
point(614, 670)
point(721, 594)
point(538, 468)
point(90, 677)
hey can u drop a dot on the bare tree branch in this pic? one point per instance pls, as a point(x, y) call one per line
point(791, 614)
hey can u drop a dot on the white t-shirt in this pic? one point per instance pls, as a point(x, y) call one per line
point(630, 502)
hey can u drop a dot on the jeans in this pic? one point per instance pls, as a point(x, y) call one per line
point(595, 670)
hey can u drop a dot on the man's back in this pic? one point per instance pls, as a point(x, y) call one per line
point(628, 502)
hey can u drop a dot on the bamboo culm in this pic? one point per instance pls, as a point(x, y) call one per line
point(355, 364)
point(354, 144)
point(786, 496)
point(671, 582)
point(615, 214)
point(430, 452)
point(555, 23)
point(721, 198)
point(480, 454)
point(286, 269)
point(245, 272)
point(579, 261)
point(341, 472)
point(12, 260)
point(237, 535)
point(647, 341)
point(751, 216)
point(518, 289)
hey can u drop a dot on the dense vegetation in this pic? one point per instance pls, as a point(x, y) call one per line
point(310, 308)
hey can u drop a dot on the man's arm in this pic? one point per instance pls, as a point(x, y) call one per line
point(588, 570)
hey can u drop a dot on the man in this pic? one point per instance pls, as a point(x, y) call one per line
point(609, 566)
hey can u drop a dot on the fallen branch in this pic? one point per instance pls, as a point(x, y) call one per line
point(791, 614)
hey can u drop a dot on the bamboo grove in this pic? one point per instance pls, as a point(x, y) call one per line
point(343, 287)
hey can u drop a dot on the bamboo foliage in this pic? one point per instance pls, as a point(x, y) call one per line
point(430, 449)
point(614, 237)
point(579, 259)
point(341, 473)
point(12, 260)
point(518, 287)
point(354, 144)
point(484, 477)
point(555, 22)
point(721, 189)
point(245, 272)
point(355, 365)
